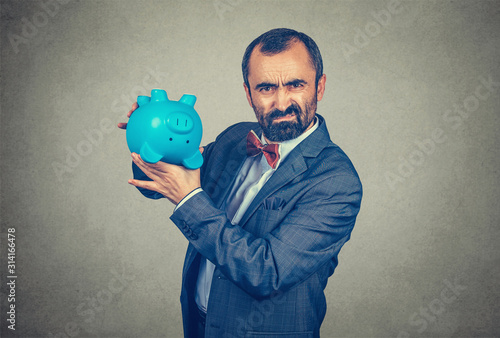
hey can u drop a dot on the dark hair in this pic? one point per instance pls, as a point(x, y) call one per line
point(279, 40)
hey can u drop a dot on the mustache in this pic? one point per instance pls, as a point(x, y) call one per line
point(293, 109)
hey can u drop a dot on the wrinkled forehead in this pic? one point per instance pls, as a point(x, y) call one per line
point(295, 61)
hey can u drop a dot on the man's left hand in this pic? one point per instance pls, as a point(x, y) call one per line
point(172, 181)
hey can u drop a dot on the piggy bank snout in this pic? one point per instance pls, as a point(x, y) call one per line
point(180, 122)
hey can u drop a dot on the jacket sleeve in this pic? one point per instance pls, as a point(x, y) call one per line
point(309, 236)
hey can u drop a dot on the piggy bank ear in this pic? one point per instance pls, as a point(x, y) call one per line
point(188, 99)
point(142, 100)
point(194, 162)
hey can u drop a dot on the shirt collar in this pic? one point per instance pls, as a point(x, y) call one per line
point(286, 147)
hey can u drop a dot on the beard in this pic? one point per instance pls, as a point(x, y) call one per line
point(286, 130)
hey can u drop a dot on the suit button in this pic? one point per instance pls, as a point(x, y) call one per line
point(194, 236)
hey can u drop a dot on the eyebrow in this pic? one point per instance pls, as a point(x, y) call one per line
point(289, 83)
point(295, 82)
point(264, 85)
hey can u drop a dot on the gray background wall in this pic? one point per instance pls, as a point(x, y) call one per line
point(412, 97)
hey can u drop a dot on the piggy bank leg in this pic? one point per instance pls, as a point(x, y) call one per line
point(194, 162)
point(148, 155)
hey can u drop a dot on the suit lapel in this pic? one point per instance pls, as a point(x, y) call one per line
point(285, 173)
point(229, 173)
point(293, 166)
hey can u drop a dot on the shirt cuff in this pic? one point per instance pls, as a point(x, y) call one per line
point(188, 196)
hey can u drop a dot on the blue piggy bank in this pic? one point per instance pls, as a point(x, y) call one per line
point(164, 130)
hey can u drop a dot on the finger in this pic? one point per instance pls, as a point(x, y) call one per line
point(139, 161)
point(144, 184)
point(123, 125)
point(159, 167)
point(151, 170)
point(141, 164)
point(145, 167)
point(134, 107)
point(201, 149)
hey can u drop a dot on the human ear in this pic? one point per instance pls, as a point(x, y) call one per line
point(321, 87)
point(249, 95)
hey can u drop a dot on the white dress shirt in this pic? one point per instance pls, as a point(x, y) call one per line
point(252, 176)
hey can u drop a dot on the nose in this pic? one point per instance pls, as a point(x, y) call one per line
point(180, 123)
point(282, 99)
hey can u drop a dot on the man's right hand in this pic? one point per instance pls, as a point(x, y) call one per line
point(123, 125)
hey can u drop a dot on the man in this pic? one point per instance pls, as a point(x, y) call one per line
point(265, 224)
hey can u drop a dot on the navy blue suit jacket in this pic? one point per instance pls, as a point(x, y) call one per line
point(272, 268)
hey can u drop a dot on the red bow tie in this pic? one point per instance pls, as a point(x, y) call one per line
point(255, 147)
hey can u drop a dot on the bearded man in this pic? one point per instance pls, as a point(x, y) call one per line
point(271, 207)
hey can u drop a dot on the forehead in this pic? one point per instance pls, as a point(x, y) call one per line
point(293, 62)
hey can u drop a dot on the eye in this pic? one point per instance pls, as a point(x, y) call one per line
point(266, 89)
